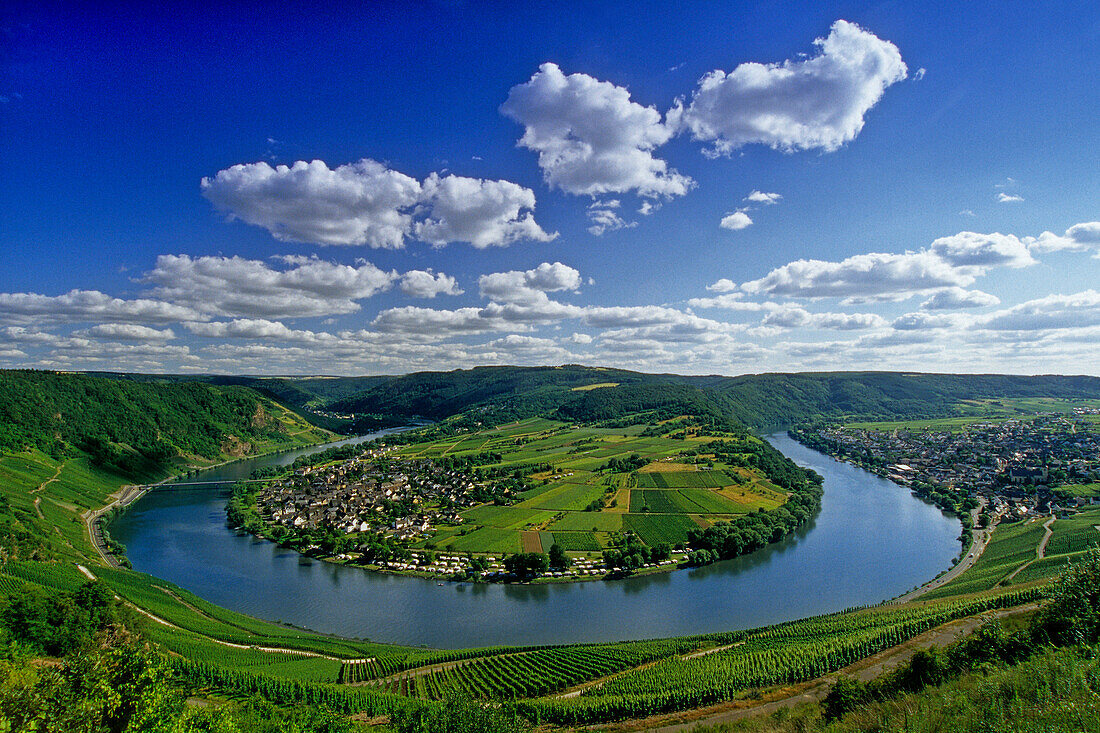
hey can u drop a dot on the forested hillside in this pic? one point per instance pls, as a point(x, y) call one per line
point(133, 425)
point(494, 395)
point(781, 399)
point(587, 394)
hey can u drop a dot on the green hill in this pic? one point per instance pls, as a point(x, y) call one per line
point(756, 400)
point(140, 426)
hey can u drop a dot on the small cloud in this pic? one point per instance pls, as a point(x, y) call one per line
point(760, 197)
point(476, 157)
point(648, 207)
point(725, 285)
point(677, 67)
point(735, 221)
point(604, 218)
point(919, 73)
point(1008, 198)
point(967, 212)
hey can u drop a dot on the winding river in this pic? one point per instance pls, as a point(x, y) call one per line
point(872, 540)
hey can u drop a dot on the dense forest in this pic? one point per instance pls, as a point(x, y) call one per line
point(500, 394)
point(128, 424)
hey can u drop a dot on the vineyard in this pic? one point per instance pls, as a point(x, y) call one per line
point(684, 480)
point(634, 679)
point(534, 673)
point(783, 654)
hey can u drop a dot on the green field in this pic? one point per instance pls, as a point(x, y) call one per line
point(588, 521)
point(653, 529)
point(970, 412)
point(576, 541)
point(684, 501)
point(1086, 490)
point(684, 480)
point(559, 499)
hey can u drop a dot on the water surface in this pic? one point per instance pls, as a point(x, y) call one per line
point(872, 541)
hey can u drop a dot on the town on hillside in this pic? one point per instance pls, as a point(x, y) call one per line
point(1015, 467)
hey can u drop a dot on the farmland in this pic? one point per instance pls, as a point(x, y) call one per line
point(576, 495)
point(1012, 555)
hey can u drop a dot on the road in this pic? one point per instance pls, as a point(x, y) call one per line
point(123, 497)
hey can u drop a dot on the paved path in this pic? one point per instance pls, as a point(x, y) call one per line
point(816, 690)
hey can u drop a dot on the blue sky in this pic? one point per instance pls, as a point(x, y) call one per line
point(699, 188)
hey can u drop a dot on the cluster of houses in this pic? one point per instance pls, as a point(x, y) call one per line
point(448, 565)
point(370, 493)
point(1012, 464)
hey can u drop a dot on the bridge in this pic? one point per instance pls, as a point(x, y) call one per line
point(223, 482)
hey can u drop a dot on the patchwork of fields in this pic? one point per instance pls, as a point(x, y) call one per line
point(580, 504)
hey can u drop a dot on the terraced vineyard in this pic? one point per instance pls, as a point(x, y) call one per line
point(778, 655)
point(541, 672)
point(1013, 547)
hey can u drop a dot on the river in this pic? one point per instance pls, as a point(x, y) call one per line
point(872, 541)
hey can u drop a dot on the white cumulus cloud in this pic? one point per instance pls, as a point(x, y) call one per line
point(426, 284)
point(529, 286)
point(952, 298)
point(368, 203)
point(760, 197)
point(483, 213)
point(78, 306)
point(590, 137)
point(818, 102)
point(239, 287)
point(736, 220)
point(971, 249)
point(358, 203)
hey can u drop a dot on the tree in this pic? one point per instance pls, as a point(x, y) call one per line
point(558, 558)
point(527, 564)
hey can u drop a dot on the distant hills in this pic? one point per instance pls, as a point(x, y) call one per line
point(499, 394)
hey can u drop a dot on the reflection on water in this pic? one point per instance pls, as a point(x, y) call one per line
point(871, 541)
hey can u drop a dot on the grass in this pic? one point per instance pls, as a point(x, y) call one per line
point(575, 479)
point(567, 497)
point(485, 539)
point(684, 480)
point(1086, 490)
point(590, 387)
point(504, 517)
point(1053, 691)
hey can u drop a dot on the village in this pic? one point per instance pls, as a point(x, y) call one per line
point(379, 511)
point(1015, 467)
point(401, 499)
